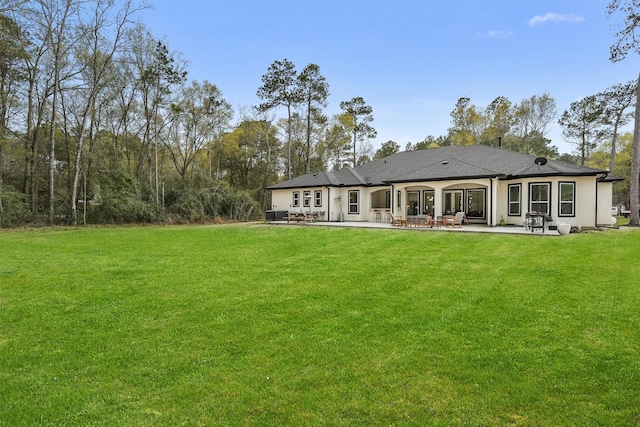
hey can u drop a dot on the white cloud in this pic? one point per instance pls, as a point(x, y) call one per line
point(554, 17)
point(499, 34)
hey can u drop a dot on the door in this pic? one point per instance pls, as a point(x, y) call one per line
point(413, 202)
point(452, 202)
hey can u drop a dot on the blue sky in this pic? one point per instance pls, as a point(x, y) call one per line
point(410, 60)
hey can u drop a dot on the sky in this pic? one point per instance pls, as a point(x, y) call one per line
point(411, 60)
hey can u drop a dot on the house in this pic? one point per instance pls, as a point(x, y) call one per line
point(491, 185)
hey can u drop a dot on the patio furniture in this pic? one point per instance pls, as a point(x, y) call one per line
point(398, 221)
point(300, 217)
point(455, 221)
point(535, 220)
point(377, 215)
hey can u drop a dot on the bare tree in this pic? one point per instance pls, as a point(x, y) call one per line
point(627, 41)
point(103, 35)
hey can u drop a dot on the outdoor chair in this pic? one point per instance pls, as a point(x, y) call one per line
point(398, 221)
point(455, 221)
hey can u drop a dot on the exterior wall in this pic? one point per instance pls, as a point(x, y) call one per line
point(584, 201)
point(282, 200)
point(605, 201)
point(335, 200)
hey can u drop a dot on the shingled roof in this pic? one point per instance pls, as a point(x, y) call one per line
point(438, 164)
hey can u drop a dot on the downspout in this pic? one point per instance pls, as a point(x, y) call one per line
point(328, 203)
point(491, 222)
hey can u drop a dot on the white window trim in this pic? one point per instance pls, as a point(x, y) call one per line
point(356, 204)
point(511, 202)
point(572, 202)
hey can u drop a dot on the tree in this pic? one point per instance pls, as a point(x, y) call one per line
point(468, 123)
point(336, 140)
point(582, 125)
point(627, 41)
point(617, 100)
point(386, 149)
point(314, 91)
point(194, 119)
point(96, 52)
point(279, 88)
point(500, 118)
point(55, 18)
point(361, 116)
point(12, 74)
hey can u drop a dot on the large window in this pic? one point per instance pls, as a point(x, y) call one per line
point(539, 197)
point(476, 203)
point(515, 191)
point(567, 192)
point(317, 198)
point(354, 195)
point(307, 199)
point(296, 199)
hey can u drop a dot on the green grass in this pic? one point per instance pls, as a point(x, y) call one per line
point(286, 325)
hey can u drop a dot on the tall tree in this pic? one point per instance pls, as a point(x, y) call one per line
point(500, 119)
point(279, 88)
point(628, 41)
point(12, 75)
point(194, 121)
point(532, 118)
point(314, 91)
point(386, 149)
point(468, 123)
point(361, 115)
point(582, 125)
point(335, 142)
point(55, 16)
point(617, 100)
point(96, 52)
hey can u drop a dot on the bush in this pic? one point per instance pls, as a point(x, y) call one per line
point(14, 208)
point(206, 198)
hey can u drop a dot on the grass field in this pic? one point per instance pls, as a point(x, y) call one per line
point(277, 325)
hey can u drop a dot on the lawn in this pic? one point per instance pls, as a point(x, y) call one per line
point(294, 325)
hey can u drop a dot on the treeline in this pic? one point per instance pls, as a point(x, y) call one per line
point(99, 123)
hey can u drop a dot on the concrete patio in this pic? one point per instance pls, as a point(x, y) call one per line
point(466, 228)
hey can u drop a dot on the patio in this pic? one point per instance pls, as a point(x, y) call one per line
point(466, 228)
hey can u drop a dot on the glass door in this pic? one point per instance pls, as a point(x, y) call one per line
point(476, 203)
point(413, 202)
point(452, 202)
point(428, 202)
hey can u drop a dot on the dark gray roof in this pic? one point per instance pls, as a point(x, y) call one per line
point(437, 164)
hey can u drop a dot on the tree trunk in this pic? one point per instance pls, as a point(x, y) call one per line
point(635, 163)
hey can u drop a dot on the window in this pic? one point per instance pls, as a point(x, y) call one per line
point(428, 202)
point(539, 197)
point(296, 199)
point(306, 202)
point(353, 201)
point(514, 199)
point(567, 191)
point(387, 201)
point(476, 203)
point(399, 199)
point(317, 198)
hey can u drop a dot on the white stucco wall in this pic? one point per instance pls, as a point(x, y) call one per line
point(336, 199)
